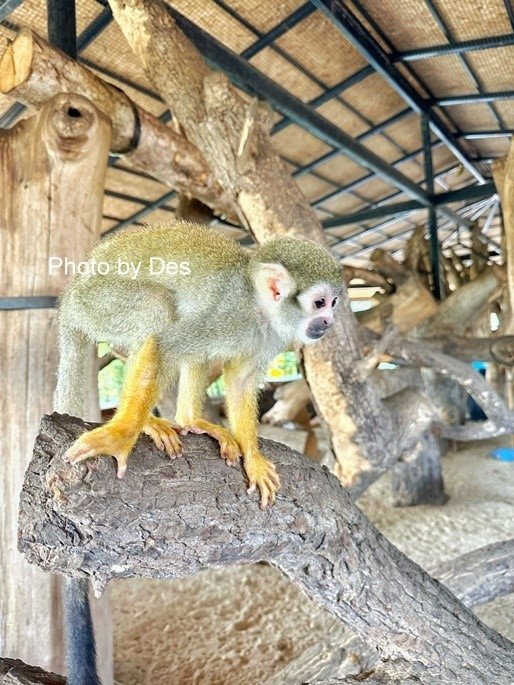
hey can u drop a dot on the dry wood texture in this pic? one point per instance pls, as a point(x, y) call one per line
point(15, 672)
point(32, 70)
point(481, 575)
point(52, 168)
point(168, 519)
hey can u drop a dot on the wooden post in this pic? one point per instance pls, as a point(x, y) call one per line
point(52, 170)
point(32, 71)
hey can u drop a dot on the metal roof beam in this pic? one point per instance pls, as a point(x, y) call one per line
point(360, 38)
point(483, 135)
point(8, 6)
point(62, 25)
point(473, 98)
point(470, 192)
point(461, 47)
point(251, 80)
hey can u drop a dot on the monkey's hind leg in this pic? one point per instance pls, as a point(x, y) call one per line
point(243, 417)
point(193, 383)
point(139, 394)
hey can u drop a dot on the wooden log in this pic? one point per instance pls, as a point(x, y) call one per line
point(500, 420)
point(388, 266)
point(53, 173)
point(234, 138)
point(411, 304)
point(499, 350)
point(168, 519)
point(15, 672)
point(503, 176)
point(417, 478)
point(481, 575)
point(369, 277)
point(456, 313)
point(32, 70)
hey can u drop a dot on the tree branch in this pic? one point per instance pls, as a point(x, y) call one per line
point(15, 672)
point(481, 575)
point(168, 519)
point(32, 70)
point(500, 419)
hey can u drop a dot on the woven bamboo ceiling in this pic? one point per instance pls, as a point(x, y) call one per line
point(376, 69)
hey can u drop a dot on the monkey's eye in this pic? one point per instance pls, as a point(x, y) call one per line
point(319, 304)
point(334, 302)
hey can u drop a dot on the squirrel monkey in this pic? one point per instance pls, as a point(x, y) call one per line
point(177, 298)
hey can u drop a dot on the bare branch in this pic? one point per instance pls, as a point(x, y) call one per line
point(168, 519)
point(500, 419)
point(481, 575)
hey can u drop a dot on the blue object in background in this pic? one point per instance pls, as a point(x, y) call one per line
point(503, 453)
point(475, 412)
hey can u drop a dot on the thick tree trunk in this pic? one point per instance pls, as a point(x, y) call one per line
point(52, 168)
point(33, 71)
point(170, 519)
point(233, 137)
point(503, 175)
point(418, 478)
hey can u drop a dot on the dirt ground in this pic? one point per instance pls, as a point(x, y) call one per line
point(250, 625)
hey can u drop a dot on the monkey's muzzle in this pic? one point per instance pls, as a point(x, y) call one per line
point(318, 327)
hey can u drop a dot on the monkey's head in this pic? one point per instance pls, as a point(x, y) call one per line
point(298, 284)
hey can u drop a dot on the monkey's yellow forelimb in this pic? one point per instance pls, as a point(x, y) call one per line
point(242, 412)
point(139, 395)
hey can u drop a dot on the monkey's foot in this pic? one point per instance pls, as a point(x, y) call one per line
point(110, 440)
point(262, 474)
point(165, 435)
point(229, 448)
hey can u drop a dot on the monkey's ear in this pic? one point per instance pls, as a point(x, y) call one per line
point(273, 282)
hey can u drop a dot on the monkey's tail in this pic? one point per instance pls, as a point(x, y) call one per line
point(75, 372)
point(74, 377)
point(80, 638)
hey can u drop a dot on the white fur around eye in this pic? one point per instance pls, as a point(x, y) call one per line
point(319, 291)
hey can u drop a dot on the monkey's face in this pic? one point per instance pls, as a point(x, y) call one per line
point(299, 318)
point(317, 306)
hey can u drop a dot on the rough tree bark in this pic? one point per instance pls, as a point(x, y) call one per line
point(52, 170)
point(503, 175)
point(481, 575)
point(168, 519)
point(32, 70)
point(418, 478)
point(15, 672)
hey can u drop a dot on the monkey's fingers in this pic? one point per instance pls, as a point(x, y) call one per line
point(263, 475)
point(164, 434)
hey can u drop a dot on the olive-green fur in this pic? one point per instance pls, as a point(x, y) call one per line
point(309, 262)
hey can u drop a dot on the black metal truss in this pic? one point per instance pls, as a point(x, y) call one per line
point(304, 115)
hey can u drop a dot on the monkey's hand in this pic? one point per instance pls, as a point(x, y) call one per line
point(229, 448)
point(262, 474)
point(165, 435)
point(115, 439)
